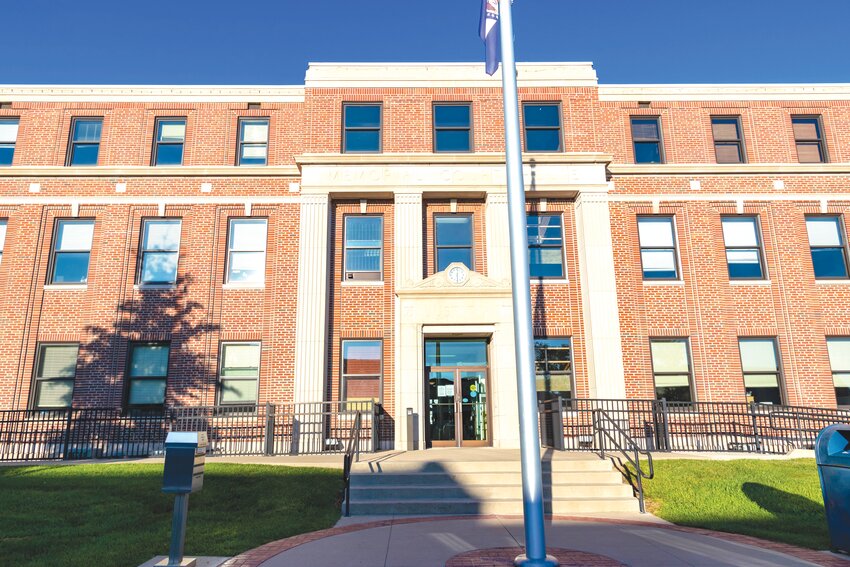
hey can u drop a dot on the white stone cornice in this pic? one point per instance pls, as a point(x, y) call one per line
point(730, 169)
point(151, 93)
point(728, 92)
point(477, 158)
point(147, 171)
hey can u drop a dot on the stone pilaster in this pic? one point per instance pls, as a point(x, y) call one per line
point(498, 237)
point(408, 239)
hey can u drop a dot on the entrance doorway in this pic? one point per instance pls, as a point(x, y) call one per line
point(457, 393)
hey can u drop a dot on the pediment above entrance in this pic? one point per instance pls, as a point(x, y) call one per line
point(457, 279)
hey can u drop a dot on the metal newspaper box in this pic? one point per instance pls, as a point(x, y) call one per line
point(832, 453)
point(184, 462)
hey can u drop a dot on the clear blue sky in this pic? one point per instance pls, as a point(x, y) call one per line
point(270, 42)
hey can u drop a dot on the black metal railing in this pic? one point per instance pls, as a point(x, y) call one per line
point(610, 437)
point(287, 429)
point(352, 455)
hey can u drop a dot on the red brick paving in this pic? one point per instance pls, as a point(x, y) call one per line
point(504, 557)
point(255, 557)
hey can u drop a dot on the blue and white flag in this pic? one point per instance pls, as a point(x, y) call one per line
point(489, 31)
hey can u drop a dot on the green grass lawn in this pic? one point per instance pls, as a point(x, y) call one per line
point(775, 500)
point(109, 515)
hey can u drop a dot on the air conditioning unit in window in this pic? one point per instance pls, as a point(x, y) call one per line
point(362, 276)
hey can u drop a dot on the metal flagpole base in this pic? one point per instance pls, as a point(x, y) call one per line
point(523, 561)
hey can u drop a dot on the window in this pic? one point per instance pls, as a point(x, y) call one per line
point(826, 239)
point(148, 374)
point(56, 367)
point(452, 127)
point(743, 248)
point(542, 127)
point(361, 370)
point(553, 368)
point(240, 373)
point(761, 370)
point(246, 251)
point(85, 141)
point(71, 251)
point(8, 138)
point(253, 141)
point(839, 360)
point(364, 236)
point(728, 144)
point(2, 238)
point(808, 138)
point(671, 369)
point(545, 246)
point(362, 128)
point(646, 137)
point(168, 144)
point(658, 248)
point(453, 237)
point(160, 250)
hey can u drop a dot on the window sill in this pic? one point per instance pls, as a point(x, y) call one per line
point(750, 282)
point(66, 287)
point(243, 286)
point(367, 283)
point(832, 282)
point(144, 287)
point(655, 283)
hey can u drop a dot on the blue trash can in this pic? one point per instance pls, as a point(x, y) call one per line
point(832, 453)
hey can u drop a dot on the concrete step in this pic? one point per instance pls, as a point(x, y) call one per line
point(358, 478)
point(502, 506)
point(485, 492)
point(390, 466)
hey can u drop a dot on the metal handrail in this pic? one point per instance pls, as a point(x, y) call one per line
point(598, 417)
point(352, 451)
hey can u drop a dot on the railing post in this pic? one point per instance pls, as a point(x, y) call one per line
point(269, 432)
point(755, 427)
point(67, 442)
point(376, 412)
point(665, 419)
point(558, 424)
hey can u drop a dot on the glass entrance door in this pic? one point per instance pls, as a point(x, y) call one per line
point(457, 407)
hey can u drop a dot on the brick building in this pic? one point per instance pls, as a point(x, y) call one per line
point(347, 240)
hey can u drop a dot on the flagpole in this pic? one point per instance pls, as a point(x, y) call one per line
point(532, 477)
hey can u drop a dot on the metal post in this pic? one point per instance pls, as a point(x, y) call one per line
point(532, 475)
point(269, 431)
point(178, 530)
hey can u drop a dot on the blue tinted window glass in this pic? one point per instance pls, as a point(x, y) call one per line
point(645, 129)
point(87, 130)
point(362, 140)
point(364, 231)
point(829, 262)
point(454, 231)
point(452, 140)
point(363, 116)
point(7, 152)
point(455, 353)
point(363, 260)
point(446, 256)
point(169, 154)
point(545, 263)
point(544, 229)
point(545, 115)
point(71, 267)
point(451, 116)
point(85, 154)
point(647, 152)
point(744, 268)
point(543, 140)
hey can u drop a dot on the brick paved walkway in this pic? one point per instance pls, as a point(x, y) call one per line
point(427, 542)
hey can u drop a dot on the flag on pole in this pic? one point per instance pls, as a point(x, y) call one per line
point(489, 31)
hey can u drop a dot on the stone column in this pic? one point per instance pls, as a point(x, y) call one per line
point(408, 239)
point(601, 315)
point(311, 317)
point(498, 237)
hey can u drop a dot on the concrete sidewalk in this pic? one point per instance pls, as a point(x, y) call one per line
point(432, 542)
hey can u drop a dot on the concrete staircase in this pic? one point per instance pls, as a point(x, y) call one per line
point(483, 481)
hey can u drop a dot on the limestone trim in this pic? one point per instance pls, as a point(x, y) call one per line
point(151, 93)
point(729, 169)
point(408, 239)
point(732, 198)
point(727, 92)
point(312, 300)
point(146, 200)
point(497, 237)
point(147, 171)
point(448, 158)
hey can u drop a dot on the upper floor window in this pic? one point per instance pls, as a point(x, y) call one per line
point(168, 144)
point(85, 141)
point(364, 237)
point(453, 239)
point(2, 238)
point(728, 143)
point(8, 139)
point(246, 251)
point(72, 243)
point(542, 127)
point(361, 370)
point(743, 248)
point(452, 127)
point(239, 375)
point(839, 361)
point(658, 248)
point(808, 136)
point(253, 141)
point(56, 368)
point(361, 128)
point(671, 369)
point(159, 251)
point(545, 246)
point(829, 253)
point(148, 374)
point(553, 368)
point(761, 370)
point(646, 138)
